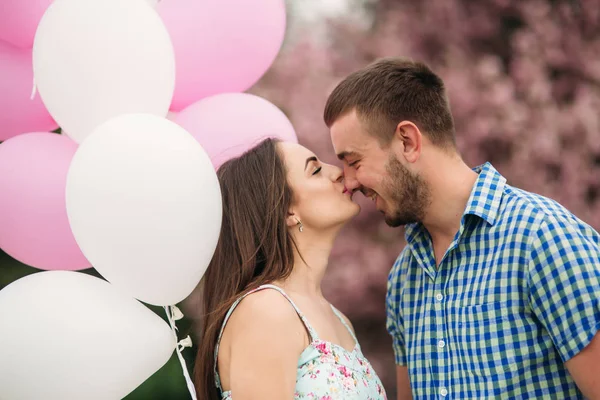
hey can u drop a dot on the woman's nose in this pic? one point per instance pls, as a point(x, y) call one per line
point(337, 174)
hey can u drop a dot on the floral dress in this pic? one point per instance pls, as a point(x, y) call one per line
point(326, 371)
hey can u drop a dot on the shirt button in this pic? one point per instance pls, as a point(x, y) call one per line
point(443, 392)
point(441, 344)
point(439, 297)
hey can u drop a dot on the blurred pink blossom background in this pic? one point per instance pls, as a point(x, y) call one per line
point(523, 77)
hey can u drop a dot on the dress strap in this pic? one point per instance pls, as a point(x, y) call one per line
point(312, 333)
point(339, 315)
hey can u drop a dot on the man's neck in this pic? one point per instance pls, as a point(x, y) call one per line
point(451, 185)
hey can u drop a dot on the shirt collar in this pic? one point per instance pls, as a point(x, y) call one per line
point(483, 202)
point(486, 194)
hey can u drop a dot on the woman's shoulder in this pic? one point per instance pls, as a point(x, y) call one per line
point(264, 305)
point(266, 313)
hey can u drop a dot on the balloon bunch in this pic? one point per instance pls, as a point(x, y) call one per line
point(148, 95)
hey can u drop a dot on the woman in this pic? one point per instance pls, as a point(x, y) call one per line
point(268, 332)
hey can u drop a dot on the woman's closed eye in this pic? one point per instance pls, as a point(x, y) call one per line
point(316, 171)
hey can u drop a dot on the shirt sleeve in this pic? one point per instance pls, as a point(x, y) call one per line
point(564, 284)
point(394, 322)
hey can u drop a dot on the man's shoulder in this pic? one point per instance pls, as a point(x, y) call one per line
point(532, 207)
point(520, 200)
point(539, 212)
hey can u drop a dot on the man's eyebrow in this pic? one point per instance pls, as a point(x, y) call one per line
point(345, 154)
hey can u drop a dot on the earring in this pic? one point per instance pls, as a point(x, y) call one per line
point(301, 227)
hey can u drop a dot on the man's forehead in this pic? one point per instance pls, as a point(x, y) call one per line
point(348, 144)
point(346, 135)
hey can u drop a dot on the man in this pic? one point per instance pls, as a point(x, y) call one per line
point(497, 293)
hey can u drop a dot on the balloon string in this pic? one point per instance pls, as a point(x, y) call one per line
point(173, 313)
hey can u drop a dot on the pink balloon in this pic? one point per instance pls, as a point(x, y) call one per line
point(19, 20)
point(221, 45)
point(226, 125)
point(34, 228)
point(18, 113)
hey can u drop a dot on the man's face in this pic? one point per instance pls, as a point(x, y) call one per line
point(399, 194)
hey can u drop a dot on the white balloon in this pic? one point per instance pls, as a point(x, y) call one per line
point(96, 59)
point(67, 335)
point(144, 204)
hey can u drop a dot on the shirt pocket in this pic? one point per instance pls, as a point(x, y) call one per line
point(487, 339)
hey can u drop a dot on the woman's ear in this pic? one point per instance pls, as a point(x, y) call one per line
point(292, 219)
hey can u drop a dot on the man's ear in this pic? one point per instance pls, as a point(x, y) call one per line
point(407, 141)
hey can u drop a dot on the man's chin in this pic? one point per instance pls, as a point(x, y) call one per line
point(393, 223)
point(396, 221)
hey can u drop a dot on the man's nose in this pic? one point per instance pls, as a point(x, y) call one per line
point(350, 179)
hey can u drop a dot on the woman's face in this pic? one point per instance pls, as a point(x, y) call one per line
point(321, 200)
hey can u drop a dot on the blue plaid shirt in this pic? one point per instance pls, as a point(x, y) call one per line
point(516, 295)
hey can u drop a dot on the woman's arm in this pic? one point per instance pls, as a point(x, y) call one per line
point(267, 339)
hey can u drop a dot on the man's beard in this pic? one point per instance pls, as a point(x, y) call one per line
point(409, 195)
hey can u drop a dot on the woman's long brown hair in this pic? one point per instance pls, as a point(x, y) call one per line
point(254, 246)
